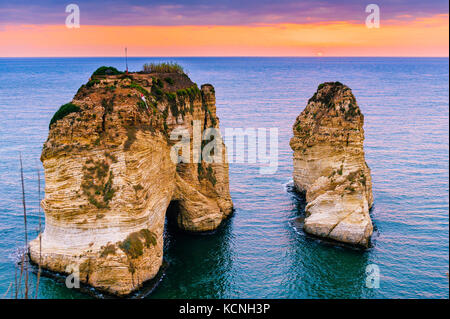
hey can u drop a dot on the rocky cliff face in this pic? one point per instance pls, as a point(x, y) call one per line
point(110, 178)
point(329, 166)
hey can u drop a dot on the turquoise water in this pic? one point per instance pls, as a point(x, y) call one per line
point(258, 253)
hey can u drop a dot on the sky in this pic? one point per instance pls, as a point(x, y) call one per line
point(224, 28)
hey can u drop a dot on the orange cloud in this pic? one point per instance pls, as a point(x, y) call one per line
point(420, 37)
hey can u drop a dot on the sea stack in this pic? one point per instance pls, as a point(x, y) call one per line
point(110, 177)
point(329, 166)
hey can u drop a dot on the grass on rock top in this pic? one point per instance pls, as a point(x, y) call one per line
point(164, 67)
point(64, 110)
point(107, 70)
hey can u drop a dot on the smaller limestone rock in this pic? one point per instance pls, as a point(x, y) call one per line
point(329, 166)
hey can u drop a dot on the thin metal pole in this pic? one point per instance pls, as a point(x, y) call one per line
point(126, 59)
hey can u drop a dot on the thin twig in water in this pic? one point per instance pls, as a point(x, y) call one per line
point(25, 225)
point(40, 237)
point(7, 290)
point(20, 273)
point(16, 291)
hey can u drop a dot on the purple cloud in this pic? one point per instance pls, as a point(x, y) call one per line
point(201, 12)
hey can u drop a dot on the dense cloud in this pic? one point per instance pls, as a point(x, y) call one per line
point(211, 12)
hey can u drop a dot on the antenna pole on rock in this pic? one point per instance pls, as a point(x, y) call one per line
point(126, 60)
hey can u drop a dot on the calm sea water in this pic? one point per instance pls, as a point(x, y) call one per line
point(258, 253)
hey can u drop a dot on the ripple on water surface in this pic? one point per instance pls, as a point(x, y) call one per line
point(257, 253)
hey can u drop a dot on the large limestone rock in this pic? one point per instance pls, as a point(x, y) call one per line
point(329, 166)
point(109, 178)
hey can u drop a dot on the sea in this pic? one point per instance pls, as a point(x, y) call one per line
point(259, 252)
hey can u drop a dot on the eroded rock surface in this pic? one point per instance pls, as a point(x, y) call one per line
point(329, 166)
point(109, 178)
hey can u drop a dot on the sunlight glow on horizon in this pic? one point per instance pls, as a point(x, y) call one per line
point(420, 37)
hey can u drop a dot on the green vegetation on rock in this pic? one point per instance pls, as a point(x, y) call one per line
point(208, 173)
point(169, 80)
point(149, 237)
point(109, 249)
point(164, 67)
point(157, 92)
point(141, 105)
point(131, 137)
point(133, 246)
point(172, 99)
point(92, 82)
point(107, 70)
point(64, 110)
point(97, 183)
point(158, 82)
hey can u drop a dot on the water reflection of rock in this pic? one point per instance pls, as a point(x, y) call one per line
point(199, 264)
point(319, 269)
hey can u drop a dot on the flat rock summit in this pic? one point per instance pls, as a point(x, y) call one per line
point(329, 166)
point(109, 177)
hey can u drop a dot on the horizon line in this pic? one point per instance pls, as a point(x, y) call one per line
point(228, 56)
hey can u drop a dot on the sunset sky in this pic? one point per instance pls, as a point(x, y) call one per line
point(224, 28)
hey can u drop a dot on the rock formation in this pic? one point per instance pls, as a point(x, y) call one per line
point(109, 177)
point(329, 166)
